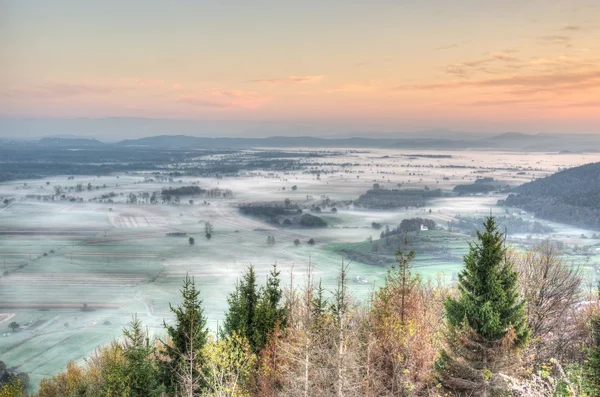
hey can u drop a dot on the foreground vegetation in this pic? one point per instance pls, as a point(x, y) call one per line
point(517, 324)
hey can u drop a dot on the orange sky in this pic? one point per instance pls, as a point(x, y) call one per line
point(470, 65)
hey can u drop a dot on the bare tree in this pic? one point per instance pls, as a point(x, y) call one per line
point(551, 287)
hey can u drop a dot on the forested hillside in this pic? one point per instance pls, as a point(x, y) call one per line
point(571, 196)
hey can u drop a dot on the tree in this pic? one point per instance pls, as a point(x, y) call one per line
point(208, 229)
point(229, 366)
point(270, 241)
point(13, 388)
point(183, 362)
point(340, 309)
point(294, 188)
point(297, 242)
point(402, 331)
point(242, 304)
point(140, 367)
point(592, 363)
point(14, 326)
point(487, 322)
point(192, 241)
point(287, 202)
point(551, 287)
point(255, 313)
point(269, 313)
point(311, 241)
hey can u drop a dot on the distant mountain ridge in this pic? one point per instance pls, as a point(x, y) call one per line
point(69, 142)
point(507, 141)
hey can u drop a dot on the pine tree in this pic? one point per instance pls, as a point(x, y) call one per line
point(269, 312)
point(340, 307)
point(239, 319)
point(319, 303)
point(592, 363)
point(184, 359)
point(140, 367)
point(486, 323)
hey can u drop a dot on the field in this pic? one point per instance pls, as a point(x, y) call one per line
point(74, 272)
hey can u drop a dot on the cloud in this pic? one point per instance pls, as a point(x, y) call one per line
point(149, 82)
point(447, 47)
point(499, 102)
point(458, 70)
point(572, 28)
point(540, 81)
point(586, 104)
point(57, 91)
point(218, 98)
point(492, 63)
point(202, 103)
point(239, 98)
point(556, 40)
point(290, 79)
point(352, 87)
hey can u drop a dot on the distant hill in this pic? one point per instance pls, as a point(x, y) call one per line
point(70, 142)
point(571, 196)
point(508, 141)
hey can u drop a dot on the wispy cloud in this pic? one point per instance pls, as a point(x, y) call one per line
point(290, 79)
point(218, 98)
point(239, 98)
point(556, 40)
point(447, 47)
point(56, 91)
point(572, 28)
point(499, 102)
point(541, 81)
point(353, 87)
point(202, 103)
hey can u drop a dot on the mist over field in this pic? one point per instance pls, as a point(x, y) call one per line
point(81, 253)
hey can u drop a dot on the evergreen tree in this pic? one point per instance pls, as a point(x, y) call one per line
point(592, 363)
point(487, 322)
point(319, 303)
point(140, 366)
point(269, 312)
point(254, 313)
point(188, 336)
point(239, 319)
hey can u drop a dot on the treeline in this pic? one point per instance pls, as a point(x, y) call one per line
point(381, 198)
point(195, 191)
point(514, 326)
point(407, 226)
point(474, 188)
point(569, 196)
point(270, 210)
point(287, 214)
point(510, 224)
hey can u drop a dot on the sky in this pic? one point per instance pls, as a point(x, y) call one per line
point(379, 65)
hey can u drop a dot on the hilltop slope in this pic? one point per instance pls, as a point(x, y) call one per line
point(571, 196)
